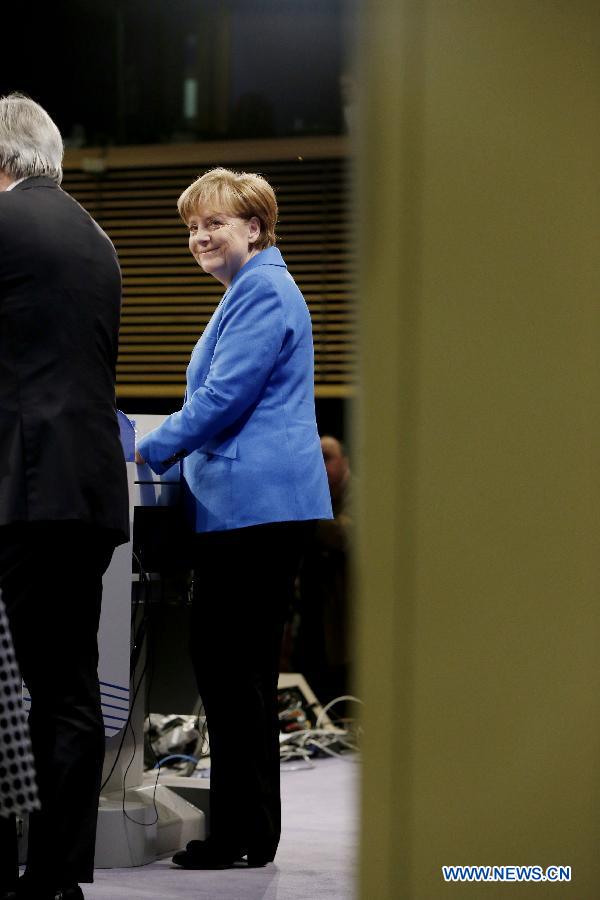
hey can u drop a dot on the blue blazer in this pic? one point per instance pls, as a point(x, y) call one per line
point(247, 432)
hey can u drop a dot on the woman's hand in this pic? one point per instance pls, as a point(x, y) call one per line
point(139, 458)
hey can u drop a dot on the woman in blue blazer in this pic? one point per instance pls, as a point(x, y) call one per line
point(254, 481)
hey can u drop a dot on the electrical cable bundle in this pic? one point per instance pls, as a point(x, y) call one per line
point(305, 742)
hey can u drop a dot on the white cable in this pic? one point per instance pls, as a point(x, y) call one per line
point(300, 743)
point(331, 703)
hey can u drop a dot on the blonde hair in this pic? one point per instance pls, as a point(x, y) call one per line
point(241, 194)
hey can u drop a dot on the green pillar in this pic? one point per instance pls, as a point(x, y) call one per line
point(478, 563)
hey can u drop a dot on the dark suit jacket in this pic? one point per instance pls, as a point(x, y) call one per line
point(60, 298)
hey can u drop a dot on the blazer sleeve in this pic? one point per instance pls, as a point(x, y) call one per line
point(249, 339)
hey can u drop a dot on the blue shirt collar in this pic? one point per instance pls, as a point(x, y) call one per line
point(269, 257)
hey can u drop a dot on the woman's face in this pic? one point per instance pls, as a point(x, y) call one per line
point(221, 244)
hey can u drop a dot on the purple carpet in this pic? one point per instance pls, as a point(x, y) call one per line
point(315, 861)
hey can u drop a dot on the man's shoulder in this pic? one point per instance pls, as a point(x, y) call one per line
point(37, 198)
point(12, 209)
point(30, 193)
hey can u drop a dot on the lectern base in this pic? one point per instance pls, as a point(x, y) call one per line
point(138, 838)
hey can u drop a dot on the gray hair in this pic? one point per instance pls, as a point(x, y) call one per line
point(30, 142)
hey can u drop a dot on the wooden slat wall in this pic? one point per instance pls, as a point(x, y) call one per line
point(167, 300)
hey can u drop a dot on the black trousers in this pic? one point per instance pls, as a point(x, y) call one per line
point(243, 585)
point(51, 580)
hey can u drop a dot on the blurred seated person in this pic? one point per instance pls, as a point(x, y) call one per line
point(321, 646)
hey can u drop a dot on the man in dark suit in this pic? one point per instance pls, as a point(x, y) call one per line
point(63, 487)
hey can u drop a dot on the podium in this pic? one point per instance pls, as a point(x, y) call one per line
point(138, 821)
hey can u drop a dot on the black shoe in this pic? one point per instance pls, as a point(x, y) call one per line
point(28, 889)
point(205, 855)
point(208, 855)
point(258, 855)
point(257, 860)
point(69, 893)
